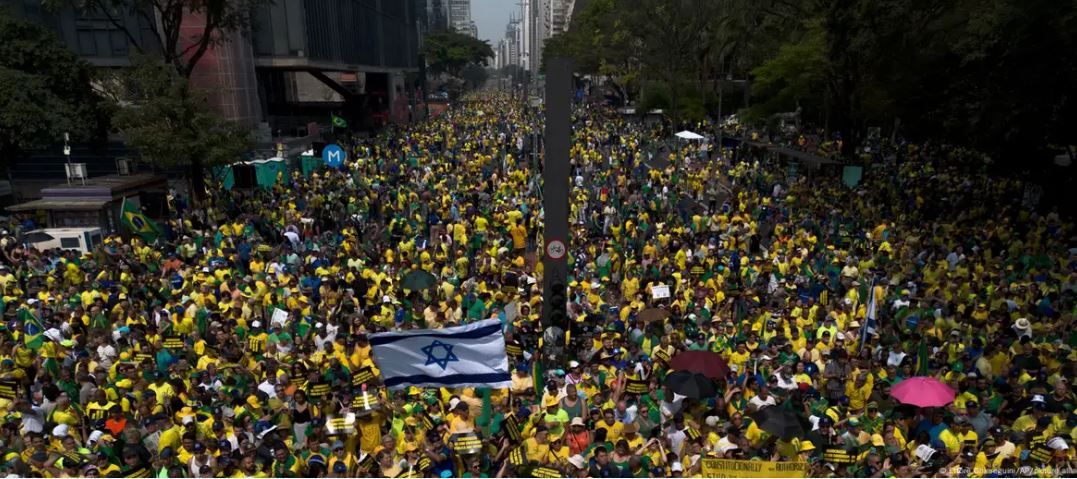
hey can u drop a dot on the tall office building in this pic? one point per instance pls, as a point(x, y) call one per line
point(541, 32)
point(460, 17)
point(361, 49)
point(560, 15)
point(512, 40)
point(540, 20)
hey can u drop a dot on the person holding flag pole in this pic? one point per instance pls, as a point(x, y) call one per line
point(871, 318)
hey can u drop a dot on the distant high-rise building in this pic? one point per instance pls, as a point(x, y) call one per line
point(560, 15)
point(460, 16)
point(470, 29)
point(437, 15)
point(539, 20)
point(512, 40)
point(541, 33)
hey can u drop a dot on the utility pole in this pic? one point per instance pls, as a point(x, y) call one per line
point(555, 196)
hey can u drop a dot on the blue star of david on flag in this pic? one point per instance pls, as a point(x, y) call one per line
point(472, 355)
point(445, 358)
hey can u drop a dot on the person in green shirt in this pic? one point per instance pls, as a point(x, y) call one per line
point(556, 417)
point(284, 463)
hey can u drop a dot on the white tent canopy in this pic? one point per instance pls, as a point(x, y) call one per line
point(689, 135)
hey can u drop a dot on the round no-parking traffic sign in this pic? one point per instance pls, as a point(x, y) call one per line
point(556, 249)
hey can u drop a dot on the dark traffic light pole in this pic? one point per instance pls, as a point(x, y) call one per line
point(555, 194)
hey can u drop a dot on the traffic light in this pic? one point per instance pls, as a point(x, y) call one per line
point(555, 319)
point(557, 306)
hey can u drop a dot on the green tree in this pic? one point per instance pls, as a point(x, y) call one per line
point(45, 91)
point(164, 34)
point(450, 52)
point(172, 125)
point(161, 29)
point(600, 42)
point(474, 75)
point(795, 77)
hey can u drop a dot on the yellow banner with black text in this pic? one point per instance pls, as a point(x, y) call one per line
point(734, 468)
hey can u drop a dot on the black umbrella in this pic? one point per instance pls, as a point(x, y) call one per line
point(692, 385)
point(418, 280)
point(779, 422)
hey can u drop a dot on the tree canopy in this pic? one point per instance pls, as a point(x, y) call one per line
point(165, 19)
point(45, 91)
point(996, 75)
point(451, 52)
point(171, 124)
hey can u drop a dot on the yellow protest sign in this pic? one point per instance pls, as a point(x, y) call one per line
point(733, 468)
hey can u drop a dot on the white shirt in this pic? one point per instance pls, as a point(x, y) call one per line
point(267, 388)
point(33, 421)
point(107, 353)
point(725, 445)
point(676, 440)
point(668, 409)
point(895, 358)
point(292, 236)
point(785, 383)
point(758, 403)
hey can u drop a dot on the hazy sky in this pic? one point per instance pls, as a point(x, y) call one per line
point(491, 16)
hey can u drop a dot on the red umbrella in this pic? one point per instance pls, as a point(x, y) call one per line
point(706, 363)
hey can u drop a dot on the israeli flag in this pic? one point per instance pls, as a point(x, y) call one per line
point(463, 356)
point(870, 321)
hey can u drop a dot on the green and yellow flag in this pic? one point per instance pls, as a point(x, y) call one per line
point(33, 330)
point(139, 223)
point(339, 122)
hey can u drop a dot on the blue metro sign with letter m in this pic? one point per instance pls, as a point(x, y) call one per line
point(333, 156)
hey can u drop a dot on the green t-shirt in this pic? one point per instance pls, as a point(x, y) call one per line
point(561, 417)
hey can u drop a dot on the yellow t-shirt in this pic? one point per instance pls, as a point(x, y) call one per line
point(613, 431)
point(535, 451)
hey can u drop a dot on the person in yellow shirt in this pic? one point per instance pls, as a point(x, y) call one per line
point(950, 440)
point(537, 447)
point(965, 434)
point(859, 390)
point(257, 339)
point(614, 428)
point(161, 388)
point(519, 236)
point(460, 420)
point(739, 357)
point(341, 456)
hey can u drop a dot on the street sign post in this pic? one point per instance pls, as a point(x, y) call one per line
point(555, 179)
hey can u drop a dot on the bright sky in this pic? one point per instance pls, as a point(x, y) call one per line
point(491, 16)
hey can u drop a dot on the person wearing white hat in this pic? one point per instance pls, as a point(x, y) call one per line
point(578, 462)
point(60, 431)
point(1023, 328)
point(676, 468)
point(1058, 444)
point(257, 338)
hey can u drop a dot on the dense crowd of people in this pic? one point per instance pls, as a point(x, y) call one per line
point(238, 347)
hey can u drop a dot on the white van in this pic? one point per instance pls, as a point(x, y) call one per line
point(81, 239)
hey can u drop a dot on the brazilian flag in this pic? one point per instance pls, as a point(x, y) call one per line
point(33, 335)
point(139, 223)
point(339, 122)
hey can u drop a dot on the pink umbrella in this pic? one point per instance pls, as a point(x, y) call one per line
point(923, 391)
